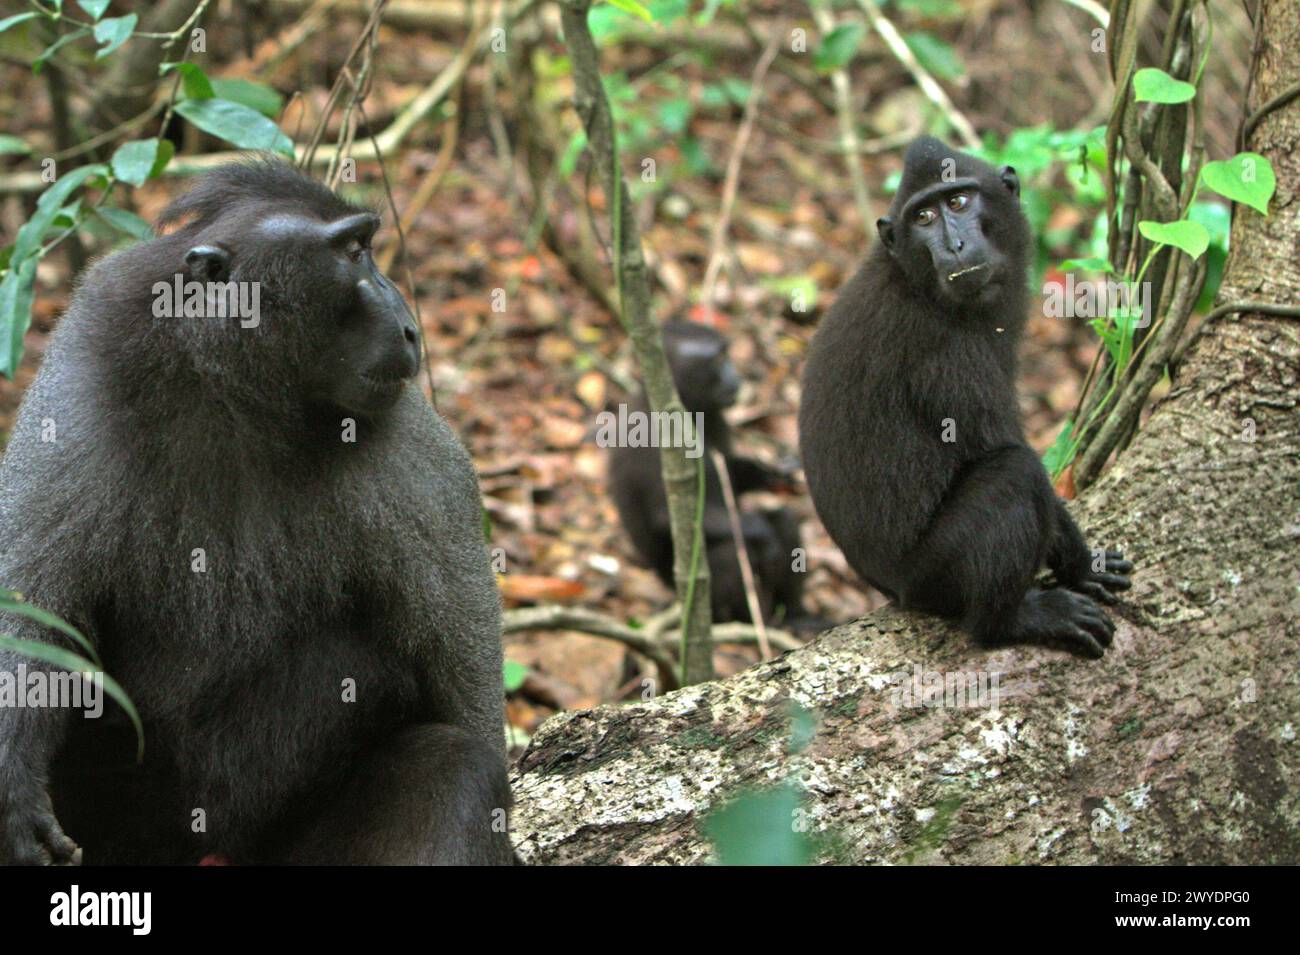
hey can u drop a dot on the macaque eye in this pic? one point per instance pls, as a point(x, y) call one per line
point(925, 217)
point(357, 249)
point(958, 202)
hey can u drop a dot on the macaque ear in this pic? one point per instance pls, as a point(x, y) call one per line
point(1010, 180)
point(885, 228)
point(208, 263)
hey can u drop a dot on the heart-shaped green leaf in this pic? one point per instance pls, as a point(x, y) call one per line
point(1246, 178)
point(113, 32)
point(1156, 86)
point(95, 8)
point(1184, 234)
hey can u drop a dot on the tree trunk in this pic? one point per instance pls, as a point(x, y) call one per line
point(1179, 747)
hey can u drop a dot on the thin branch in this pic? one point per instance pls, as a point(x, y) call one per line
point(742, 553)
point(680, 474)
point(1093, 9)
point(929, 86)
point(388, 142)
point(733, 166)
point(849, 140)
point(596, 624)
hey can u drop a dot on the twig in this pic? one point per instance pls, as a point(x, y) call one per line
point(682, 478)
point(1128, 406)
point(596, 624)
point(388, 142)
point(426, 190)
point(361, 43)
point(929, 86)
point(1093, 9)
point(406, 262)
point(1245, 308)
point(1281, 99)
point(742, 553)
point(849, 141)
point(733, 166)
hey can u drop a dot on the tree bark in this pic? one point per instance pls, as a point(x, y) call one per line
point(1179, 747)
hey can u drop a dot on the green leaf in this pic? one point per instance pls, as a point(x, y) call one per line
point(95, 8)
point(938, 57)
point(13, 603)
point(736, 90)
point(194, 82)
point(1126, 323)
point(568, 161)
point(1217, 220)
point(838, 47)
point(1110, 337)
point(57, 45)
point(668, 11)
point(16, 19)
point(142, 159)
point(113, 32)
point(1087, 265)
point(126, 222)
point(13, 146)
point(1058, 457)
point(1246, 178)
point(759, 828)
point(256, 96)
point(16, 291)
point(1184, 234)
point(47, 207)
point(803, 728)
point(1151, 85)
point(675, 115)
point(803, 285)
point(235, 123)
point(514, 675)
point(72, 662)
point(634, 8)
point(931, 8)
point(67, 216)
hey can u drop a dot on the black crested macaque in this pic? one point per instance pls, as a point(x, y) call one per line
point(276, 546)
point(708, 383)
point(909, 430)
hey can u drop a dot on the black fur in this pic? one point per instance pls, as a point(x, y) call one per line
point(957, 528)
point(707, 382)
point(326, 560)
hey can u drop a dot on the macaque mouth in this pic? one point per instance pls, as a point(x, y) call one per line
point(953, 276)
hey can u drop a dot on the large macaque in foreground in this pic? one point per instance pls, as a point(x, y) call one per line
point(275, 545)
point(909, 429)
